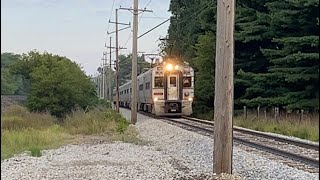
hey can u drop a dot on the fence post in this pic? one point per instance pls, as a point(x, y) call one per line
point(265, 112)
point(245, 112)
point(301, 116)
point(258, 112)
point(276, 114)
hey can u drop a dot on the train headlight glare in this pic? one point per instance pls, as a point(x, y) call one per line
point(176, 67)
point(155, 99)
point(190, 99)
point(169, 67)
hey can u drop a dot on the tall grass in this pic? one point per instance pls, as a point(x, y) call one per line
point(305, 129)
point(95, 122)
point(13, 141)
point(22, 130)
point(308, 128)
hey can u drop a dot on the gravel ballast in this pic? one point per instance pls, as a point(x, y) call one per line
point(170, 153)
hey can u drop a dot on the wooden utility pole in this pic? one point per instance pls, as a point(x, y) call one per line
point(117, 63)
point(117, 57)
point(103, 77)
point(134, 63)
point(101, 81)
point(223, 103)
point(134, 59)
point(109, 75)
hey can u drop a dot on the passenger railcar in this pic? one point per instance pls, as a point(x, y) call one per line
point(164, 90)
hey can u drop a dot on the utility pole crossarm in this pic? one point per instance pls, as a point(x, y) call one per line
point(118, 30)
point(111, 47)
point(127, 24)
point(141, 10)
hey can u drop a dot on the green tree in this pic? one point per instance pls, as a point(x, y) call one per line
point(292, 79)
point(58, 85)
point(10, 83)
point(125, 67)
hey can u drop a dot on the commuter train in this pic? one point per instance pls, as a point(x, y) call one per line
point(167, 89)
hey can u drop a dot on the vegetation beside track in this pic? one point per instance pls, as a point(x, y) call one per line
point(22, 130)
point(307, 129)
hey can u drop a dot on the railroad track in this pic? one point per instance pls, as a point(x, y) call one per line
point(294, 153)
point(298, 154)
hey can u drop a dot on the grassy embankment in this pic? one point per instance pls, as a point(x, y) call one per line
point(22, 130)
point(290, 126)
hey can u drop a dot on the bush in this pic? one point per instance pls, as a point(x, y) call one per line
point(58, 85)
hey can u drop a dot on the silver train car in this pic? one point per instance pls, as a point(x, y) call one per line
point(164, 90)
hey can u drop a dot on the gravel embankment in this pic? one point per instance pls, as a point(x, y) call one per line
point(171, 153)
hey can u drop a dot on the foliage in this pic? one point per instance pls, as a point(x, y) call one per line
point(58, 85)
point(125, 67)
point(276, 51)
point(10, 83)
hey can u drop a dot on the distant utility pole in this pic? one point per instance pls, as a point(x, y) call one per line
point(134, 59)
point(100, 84)
point(103, 76)
point(117, 57)
point(223, 103)
point(109, 75)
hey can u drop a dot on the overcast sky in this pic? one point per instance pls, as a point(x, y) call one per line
point(77, 28)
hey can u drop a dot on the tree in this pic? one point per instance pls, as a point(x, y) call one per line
point(10, 83)
point(293, 75)
point(125, 66)
point(58, 85)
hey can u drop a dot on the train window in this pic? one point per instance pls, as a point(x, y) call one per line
point(187, 82)
point(173, 82)
point(158, 82)
point(141, 87)
point(148, 85)
point(130, 89)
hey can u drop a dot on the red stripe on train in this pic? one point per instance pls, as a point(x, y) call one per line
point(157, 93)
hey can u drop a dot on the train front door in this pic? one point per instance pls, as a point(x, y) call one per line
point(173, 93)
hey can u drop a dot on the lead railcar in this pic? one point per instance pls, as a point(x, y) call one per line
point(164, 90)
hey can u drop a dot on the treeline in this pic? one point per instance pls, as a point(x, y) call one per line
point(276, 51)
point(125, 67)
point(12, 84)
point(55, 84)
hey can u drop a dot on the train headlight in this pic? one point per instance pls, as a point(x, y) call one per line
point(190, 98)
point(155, 99)
point(186, 94)
point(176, 67)
point(169, 67)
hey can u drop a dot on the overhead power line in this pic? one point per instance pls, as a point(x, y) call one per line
point(153, 28)
point(180, 21)
point(110, 14)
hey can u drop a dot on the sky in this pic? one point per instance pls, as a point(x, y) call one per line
point(77, 29)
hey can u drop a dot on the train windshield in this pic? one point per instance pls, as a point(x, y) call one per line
point(187, 82)
point(158, 82)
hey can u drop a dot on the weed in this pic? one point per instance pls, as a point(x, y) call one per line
point(35, 151)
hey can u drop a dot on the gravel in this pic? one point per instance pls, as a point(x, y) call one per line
point(170, 153)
